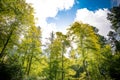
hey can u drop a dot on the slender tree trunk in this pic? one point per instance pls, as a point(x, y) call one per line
point(62, 61)
point(50, 71)
point(50, 76)
point(84, 61)
point(62, 68)
point(85, 69)
point(55, 75)
point(29, 64)
point(6, 43)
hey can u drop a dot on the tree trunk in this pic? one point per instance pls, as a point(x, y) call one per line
point(6, 43)
point(62, 61)
point(83, 55)
point(29, 64)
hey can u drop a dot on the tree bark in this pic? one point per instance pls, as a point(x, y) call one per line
point(6, 43)
point(29, 64)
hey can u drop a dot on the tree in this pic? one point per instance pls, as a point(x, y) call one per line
point(65, 43)
point(31, 50)
point(56, 50)
point(15, 17)
point(114, 17)
point(114, 41)
point(84, 36)
point(114, 36)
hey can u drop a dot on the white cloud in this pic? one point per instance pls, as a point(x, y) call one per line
point(48, 8)
point(97, 19)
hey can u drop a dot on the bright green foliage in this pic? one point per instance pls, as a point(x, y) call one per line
point(30, 51)
point(88, 49)
point(15, 17)
point(81, 54)
point(57, 60)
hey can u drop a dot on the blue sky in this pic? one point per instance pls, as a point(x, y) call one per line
point(66, 17)
point(79, 4)
point(94, 4)
point(57, 15)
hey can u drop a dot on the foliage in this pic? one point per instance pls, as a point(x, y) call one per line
point(114, 68)
point(80, 54)
point(10, 71)
point(15, 17)
point(16, 20)
point(85, 38)
point(114, 17)
point(114, 60)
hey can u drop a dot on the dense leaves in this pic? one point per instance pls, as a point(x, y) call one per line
point(80, 54)
point(15, 17)
point(114, 61)
point(10, 72)
point(114, 17)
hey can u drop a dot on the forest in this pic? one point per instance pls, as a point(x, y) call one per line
point(80, 54)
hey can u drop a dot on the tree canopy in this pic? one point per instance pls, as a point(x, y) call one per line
point(80, 54)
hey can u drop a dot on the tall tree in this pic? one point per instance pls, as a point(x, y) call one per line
point(114, 37)
point(15, 16)
point(64, 43)
point(56, 50)
point(84, 37)
point(114, 40)
point(31, 49)
point(114, 17)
